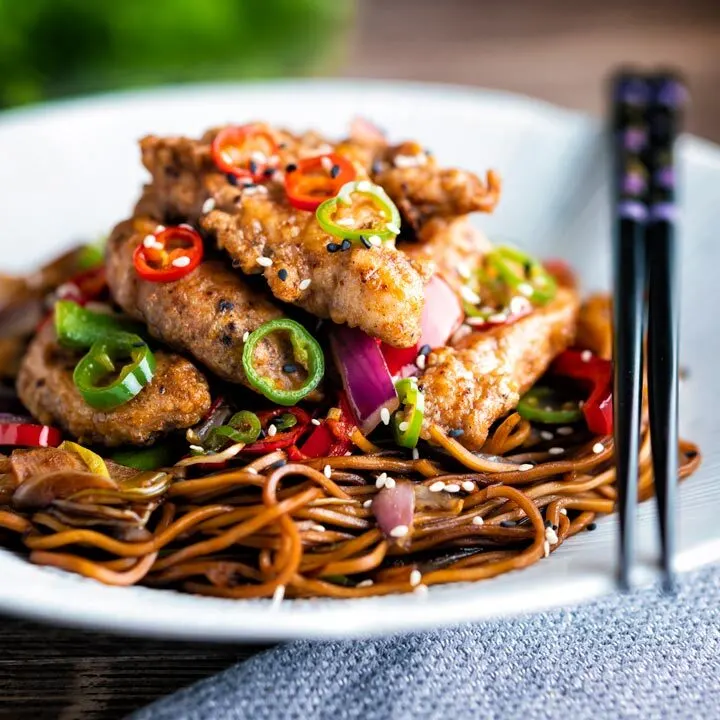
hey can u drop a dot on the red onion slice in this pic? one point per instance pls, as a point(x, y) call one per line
point(394, 508)
point(367, 381)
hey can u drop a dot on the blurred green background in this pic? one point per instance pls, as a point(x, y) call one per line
point(50, 48)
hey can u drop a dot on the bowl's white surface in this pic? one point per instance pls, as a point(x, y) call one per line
point(71, 170)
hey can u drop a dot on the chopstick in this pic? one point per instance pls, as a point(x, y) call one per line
point(663, 309)
point(630, 96)
point(645, 122)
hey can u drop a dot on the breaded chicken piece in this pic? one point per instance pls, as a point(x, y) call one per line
point(205, 314)
point(481, 379)
point(177, 398)
point(374, 288)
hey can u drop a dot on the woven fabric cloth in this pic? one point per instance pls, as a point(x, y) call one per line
point(641, 655)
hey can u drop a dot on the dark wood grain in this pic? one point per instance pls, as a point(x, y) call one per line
point(51, 673)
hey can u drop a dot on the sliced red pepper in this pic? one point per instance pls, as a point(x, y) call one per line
point(22, 432)
point(281, 440)
point(595, 374)
point(332, 437)
point(316, 179)
point(168, 255)
point(236, 150)
point(561, 271)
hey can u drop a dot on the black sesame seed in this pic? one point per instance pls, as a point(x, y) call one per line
point(282, 145)
point(253, 167)
point(232, 179)
point(555, 527)
point(346, 244)
point(162, 389)
point(457, 432)
point(277, 465)
point(290, 167)
point(548, 524)
point(592, 526)
point(231, 327)
point(334, 171)
point(283, 274)
point(269, 172)
point(508, 523)
point(225, 306)
point(528, 269)
point(332, 247)
point(424, 350)
point(691, 454)
point(226, 340)
point(377, 167)
point(289, 368)
point(365, 242)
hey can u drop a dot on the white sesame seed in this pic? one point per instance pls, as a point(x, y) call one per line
point(470, 295)
point(208, 205)
point(197, 448)
point(318, 528)
point(463, 270)
point(365, 583)
point(385, 416)
point(498, 318)
point(477, 520)
point(546, 548)
point(526, 466)
point(252, 471)
point(315, 421)
point(581, 404)
point(563, 511)
point(403, 426)
point(375, 240)
point(246, 335)
point(380, 481)
point(181, 262)
point(598, 448)
point(420, 361)
point(160, 228)
point(526, 289)
point(264, 261)
point(437, 486)
point(258, 157)
point(272, 431)
point(565, 431)
point(421, 590)
point(393, 228)
point(551, 536)
point(390, 483)
point(149, 241)
point(327, 471)
point(326, 163)
point(367, 504)
point(305, 284)
point(546, 435)
point(460, 333)
point(278, 596)
point(415, 578)
point(415, 454)
point(468, 486)
point(364, 186)
point(586, 356)
point(519, 305)
point(556, 451)
point(399, 531)
point(410, 161)
point(346, 221)
point(452, 488)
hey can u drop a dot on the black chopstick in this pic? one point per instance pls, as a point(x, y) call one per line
point(667, 98)
point(630, 138)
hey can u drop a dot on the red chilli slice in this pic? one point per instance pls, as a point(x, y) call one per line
point(316, 179)
point(236, 151)
point(176, 252)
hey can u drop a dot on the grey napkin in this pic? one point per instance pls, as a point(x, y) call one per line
point(642, 655)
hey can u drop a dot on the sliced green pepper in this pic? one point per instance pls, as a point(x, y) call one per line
point(152, 458)
point(91, 255)
point(101, 362)
point(524, 274)
point(547, 405)
point(388, 216)
point(243, 427)
point(407, 422)
point(306, 350)
point(80, 328)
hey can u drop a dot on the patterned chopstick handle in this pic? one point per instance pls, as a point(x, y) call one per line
point(631, 98)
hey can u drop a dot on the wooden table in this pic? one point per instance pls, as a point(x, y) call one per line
point(559, 50)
